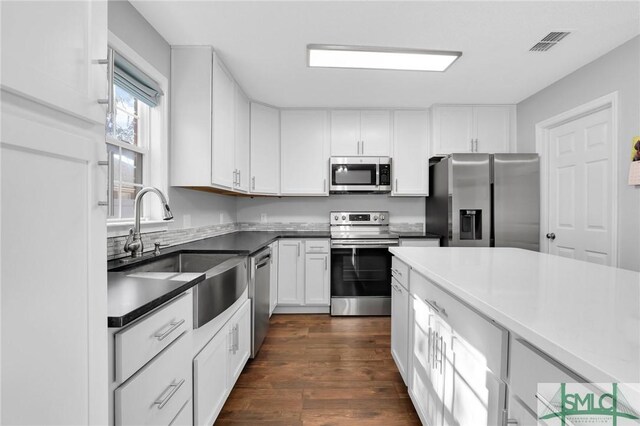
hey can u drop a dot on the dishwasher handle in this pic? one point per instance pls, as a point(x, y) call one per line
point(265, 260)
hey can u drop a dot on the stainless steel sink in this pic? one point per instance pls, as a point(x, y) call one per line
point(226, 278)
point(183, 262)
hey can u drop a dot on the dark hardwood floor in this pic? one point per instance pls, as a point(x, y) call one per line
point(321, 370)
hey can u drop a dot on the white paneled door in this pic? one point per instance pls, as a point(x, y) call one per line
point(582, 189)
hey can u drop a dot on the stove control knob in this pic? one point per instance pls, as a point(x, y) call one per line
point(344, 217)
point(336, 217)
point(381, 217)
point(376, 218)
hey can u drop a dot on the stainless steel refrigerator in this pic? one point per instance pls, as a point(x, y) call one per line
point(485, 200)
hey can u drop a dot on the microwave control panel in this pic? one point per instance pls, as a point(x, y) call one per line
point(385, 174)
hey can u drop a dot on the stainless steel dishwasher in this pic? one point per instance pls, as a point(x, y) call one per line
point(259, 285)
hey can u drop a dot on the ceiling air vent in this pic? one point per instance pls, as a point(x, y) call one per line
point(549, 41)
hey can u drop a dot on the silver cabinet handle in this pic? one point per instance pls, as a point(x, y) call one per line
point(170, 391)
point(324, 185)
point(476, 144)
point(358, 149)
point(161, 335)
point(362, 147)
point(471, 145)
point(103, 203)
point(443, 351)
point(231, 339)
point(436, 307)
point(396, 184)
point(236, 338)
point(298, 249)
point(325, 263)
point(109, 63)
point(239, 177)
point(253, 183)
point(396, 271)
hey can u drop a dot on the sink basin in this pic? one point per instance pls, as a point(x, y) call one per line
point(226, 278)
point(181, 262)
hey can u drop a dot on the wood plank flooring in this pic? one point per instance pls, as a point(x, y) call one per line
point(321, 370)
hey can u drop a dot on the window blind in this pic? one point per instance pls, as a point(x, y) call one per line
point(136, 82)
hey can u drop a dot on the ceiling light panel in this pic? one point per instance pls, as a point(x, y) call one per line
point(379, 58)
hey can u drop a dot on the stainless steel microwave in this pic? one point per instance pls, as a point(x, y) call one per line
point(360, 174)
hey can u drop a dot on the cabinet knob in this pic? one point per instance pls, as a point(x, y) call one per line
point(551, 236)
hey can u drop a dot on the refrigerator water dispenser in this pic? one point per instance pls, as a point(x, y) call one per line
point(471, 224)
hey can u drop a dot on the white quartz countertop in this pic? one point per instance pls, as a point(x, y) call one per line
point(586, 316)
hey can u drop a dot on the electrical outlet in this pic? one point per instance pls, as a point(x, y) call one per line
point(263, 217)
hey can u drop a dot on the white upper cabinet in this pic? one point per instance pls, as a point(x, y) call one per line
point(243, 141)
point(223, 172)
point(304, 152)
point(56, 59)
point(473, 128)
point(410, 165)
point(209, 122)
point(360, 133)
point(265, 150)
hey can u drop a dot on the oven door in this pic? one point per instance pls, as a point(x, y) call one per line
point(354, 175)
point(360, 270)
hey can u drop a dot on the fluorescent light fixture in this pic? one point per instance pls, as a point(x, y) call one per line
point(380, 58)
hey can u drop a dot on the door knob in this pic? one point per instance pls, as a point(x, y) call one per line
point(551, 236)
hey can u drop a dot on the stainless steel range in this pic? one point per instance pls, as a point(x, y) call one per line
point(361, 263)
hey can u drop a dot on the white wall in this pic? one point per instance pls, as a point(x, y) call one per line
point(618, 70)
point(316, 209)
point(190, 208)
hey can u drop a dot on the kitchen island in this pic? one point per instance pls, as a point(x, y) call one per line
point(548, 318)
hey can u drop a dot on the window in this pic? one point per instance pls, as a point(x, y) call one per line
point(129, 128)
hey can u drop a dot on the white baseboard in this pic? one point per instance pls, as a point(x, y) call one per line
point(302, 310)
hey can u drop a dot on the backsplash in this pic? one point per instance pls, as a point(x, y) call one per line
point(115, 245)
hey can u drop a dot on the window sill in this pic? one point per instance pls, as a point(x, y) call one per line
point(121, 228)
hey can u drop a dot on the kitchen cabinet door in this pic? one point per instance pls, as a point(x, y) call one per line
point(265, 150)
point(239, 332)
point(304, 152)
point(191, 115)
point(426, 385)
point(50, 53)
point(316, 281)
point(410, 166)
point(375, 133)
point(290, 272)
point(242, 140)
point(492, 128)
point(399, 326)
point(452, 129)
point(345, 133)
point(223, 144)
point(53, 309)
point(210, 379)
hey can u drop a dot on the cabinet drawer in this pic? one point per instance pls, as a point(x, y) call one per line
point(480, 333)
point(528, 368)
point(155, 395)
point(412, 242)
point(137, 344)
point(400, 271)
point(317, 246)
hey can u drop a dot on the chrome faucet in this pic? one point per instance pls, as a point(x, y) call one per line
point(134, 242)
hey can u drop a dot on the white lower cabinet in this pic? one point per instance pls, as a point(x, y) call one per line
point(316, 279)
point(290, 272)
point(217, 367)
point(155, 395)
point(399, 326)
point(458, 360)
point(151, 365)
point(304, 271)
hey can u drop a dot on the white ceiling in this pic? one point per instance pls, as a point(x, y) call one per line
point(263, 44)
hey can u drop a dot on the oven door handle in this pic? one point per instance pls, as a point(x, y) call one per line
point(364, 244)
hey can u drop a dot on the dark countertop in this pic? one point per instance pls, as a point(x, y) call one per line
point(130, 297)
